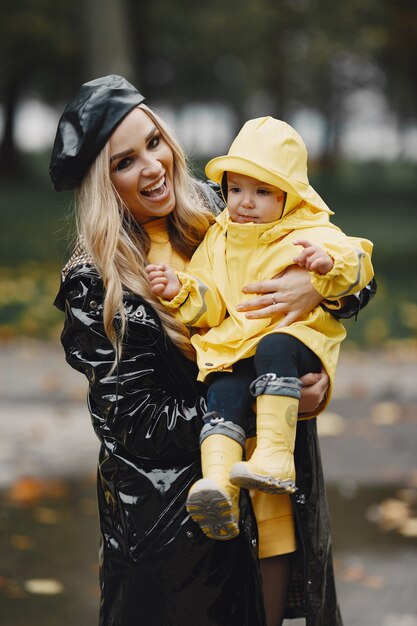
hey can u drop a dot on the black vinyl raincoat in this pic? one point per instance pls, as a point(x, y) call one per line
point(157, 568)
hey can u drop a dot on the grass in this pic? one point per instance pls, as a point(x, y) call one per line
point(377, 202)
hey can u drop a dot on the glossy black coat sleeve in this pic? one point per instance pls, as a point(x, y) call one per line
point(146, 393)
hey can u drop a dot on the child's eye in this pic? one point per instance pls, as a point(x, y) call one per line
point(263, 192)
point(234, 189)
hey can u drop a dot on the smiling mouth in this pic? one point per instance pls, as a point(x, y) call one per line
point(156, 190)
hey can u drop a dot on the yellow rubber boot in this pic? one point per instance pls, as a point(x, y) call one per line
point(213, 502)
point(271, 467)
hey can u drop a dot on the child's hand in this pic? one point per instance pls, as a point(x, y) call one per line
point(314, 258)
point(163, 280)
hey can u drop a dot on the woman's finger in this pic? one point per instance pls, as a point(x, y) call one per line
point(260, 302)
point(266, 286)
point(266, 311)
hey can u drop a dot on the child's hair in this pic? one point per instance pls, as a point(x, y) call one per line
point(119, 246)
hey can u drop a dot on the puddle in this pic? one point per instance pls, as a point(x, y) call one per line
point(49, 568)
point(49, 545)
point(362, 518)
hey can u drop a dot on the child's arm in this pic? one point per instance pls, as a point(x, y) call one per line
point(164, 281)
point(313, 258)
point(351, 257)
point(192, 297)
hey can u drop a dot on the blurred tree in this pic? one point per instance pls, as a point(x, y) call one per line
point(398, 57)
point(264, 56)
point(39, 52)
point(107, 49)
point(192, 51)
point(257, 56)
point(336, 56)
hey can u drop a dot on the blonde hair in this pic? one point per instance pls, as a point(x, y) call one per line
point(119, 246)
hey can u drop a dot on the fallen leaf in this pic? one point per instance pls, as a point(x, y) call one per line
point(385, 413)
point(408, 495)
point(330, 424)
point(44, 515)
point(12, 588)
point(374, 582)
point(359, 390)
point(409, 528)
point(88, 506)
point(352, 573)
point(21, 542)
point(44, 586)
point(28, 491)
point(393, 513)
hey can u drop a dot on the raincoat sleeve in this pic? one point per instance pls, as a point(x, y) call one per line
point(352, 269)
point(199, 302)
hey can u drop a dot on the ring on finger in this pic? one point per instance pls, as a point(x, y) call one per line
point(273, 299)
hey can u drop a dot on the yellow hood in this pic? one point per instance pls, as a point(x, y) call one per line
point(273, 152)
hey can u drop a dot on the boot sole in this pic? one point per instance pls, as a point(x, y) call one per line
point(268, 484)
point(212, 510)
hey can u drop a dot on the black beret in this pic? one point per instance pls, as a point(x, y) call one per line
point(86, 124)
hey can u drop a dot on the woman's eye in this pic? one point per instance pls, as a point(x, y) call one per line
point(154, 142)
point(124, 163)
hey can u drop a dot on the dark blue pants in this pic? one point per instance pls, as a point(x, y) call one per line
point(284, 355)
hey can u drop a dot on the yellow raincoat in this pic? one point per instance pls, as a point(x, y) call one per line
point(233, 255)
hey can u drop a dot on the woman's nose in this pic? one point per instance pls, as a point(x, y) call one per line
point(150, 167)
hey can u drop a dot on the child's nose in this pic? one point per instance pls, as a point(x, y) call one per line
point(248, 202)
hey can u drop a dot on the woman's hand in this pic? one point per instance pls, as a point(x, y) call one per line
point(290, 293)
point(313, 392)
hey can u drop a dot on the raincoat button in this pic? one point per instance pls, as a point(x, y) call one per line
point(301, 499)
point(93, 304)
point(189, 534)
point(139, 314)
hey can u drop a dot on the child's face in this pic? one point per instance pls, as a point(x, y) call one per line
point(251, 200)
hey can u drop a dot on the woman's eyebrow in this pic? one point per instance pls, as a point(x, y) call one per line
point(129, 150)
point(150, 134)
point(121, 154)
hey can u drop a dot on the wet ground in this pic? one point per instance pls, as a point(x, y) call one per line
point(48, 519)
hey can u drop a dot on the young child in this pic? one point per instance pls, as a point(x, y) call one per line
point(273, 219)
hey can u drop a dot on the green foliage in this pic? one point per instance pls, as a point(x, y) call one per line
point(377, 202)
point(37, 42)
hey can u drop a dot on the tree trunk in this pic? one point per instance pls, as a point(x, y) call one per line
point(10, 161)
point(108, 36)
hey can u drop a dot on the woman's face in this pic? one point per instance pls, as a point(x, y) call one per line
point(142, 167)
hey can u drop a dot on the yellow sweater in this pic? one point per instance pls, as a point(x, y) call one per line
point(161, 250)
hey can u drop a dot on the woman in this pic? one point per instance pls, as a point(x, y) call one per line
point(137, 203)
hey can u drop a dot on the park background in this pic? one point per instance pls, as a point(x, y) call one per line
point(344, 75)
